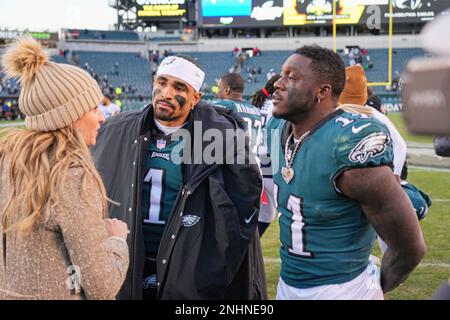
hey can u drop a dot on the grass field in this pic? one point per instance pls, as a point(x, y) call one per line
point(397, 119)
point(10, 121)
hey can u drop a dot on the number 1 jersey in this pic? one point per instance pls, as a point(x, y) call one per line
point(325, 237)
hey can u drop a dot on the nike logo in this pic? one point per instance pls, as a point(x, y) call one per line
point(358, 129)
point(247, 221)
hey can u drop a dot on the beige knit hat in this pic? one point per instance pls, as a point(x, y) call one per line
point(53, 95)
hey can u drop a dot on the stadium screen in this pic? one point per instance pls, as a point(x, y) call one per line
point(278, 13)
point(161, 10)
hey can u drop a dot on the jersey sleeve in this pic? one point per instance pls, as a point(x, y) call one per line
point(361, 144)
point(398, 144)
point(273, 133)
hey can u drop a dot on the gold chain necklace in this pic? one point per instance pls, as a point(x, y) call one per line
point(287, 171)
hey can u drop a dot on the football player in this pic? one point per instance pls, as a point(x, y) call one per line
point(335, 189)
point(192, 224)
point(231, 96)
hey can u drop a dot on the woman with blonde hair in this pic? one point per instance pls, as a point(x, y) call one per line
point(55, 240)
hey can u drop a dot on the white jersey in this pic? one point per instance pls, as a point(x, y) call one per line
point(398, 144)
point(109, 110)
point(267, 210)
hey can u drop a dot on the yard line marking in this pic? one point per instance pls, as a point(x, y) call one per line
point(14, 124)
point(421, 265)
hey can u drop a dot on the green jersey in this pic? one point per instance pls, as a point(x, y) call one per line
point(251, 115)
point(325, 237)
point(162, 182)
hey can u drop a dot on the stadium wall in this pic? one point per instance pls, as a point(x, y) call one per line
point(106, 46)
point(267, 44)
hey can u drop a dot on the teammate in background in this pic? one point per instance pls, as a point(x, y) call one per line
point(328, 189)
point(352, 100)
point(262, 99)
point(193, 225)
point(231, 96)
point(108, 108)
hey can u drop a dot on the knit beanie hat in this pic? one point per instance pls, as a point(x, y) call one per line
point(355, 90)
point(52, 95)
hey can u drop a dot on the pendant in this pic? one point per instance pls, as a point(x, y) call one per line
point(287, 173)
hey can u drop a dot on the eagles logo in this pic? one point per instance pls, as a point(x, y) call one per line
point(189, 221)
point(369, 147)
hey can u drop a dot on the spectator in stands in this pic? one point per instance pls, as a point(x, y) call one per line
point(2, 106)
point(75, 59)
point(155, 56)
point(235, 52)
point(116, 68)
point(355, 56)
point(215, 88)
point(241, 61)
point(396, 81)
point(6, 110)
point(108, 108)
point(118, 91)
point(119, 103)
point(206, 88)
point(256, 52)
point(270, 74)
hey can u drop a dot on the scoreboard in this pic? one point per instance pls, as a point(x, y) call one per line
point(279, 13)
point(161, 10)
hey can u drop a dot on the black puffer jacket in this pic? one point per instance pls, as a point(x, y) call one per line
point(210, 248)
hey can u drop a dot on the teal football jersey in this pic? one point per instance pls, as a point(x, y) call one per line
point(325, 237)
point(251, 115)
point(162, 182)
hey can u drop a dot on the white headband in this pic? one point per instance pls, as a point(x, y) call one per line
point(182, 69)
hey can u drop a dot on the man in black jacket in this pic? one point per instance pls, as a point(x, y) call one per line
point(191, 205)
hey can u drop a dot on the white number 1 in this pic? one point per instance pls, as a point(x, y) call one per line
point(298, 238)
point(155, 178)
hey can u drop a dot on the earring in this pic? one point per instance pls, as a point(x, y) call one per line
point(318, 99)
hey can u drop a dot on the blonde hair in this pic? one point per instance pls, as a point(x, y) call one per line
point(36, 164)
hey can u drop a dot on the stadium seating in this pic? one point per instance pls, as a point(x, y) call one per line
point(132, 69)
point(219, 63)
point(13, 83)
point(136, 71)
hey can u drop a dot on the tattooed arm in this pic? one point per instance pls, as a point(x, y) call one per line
point(389, 210)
